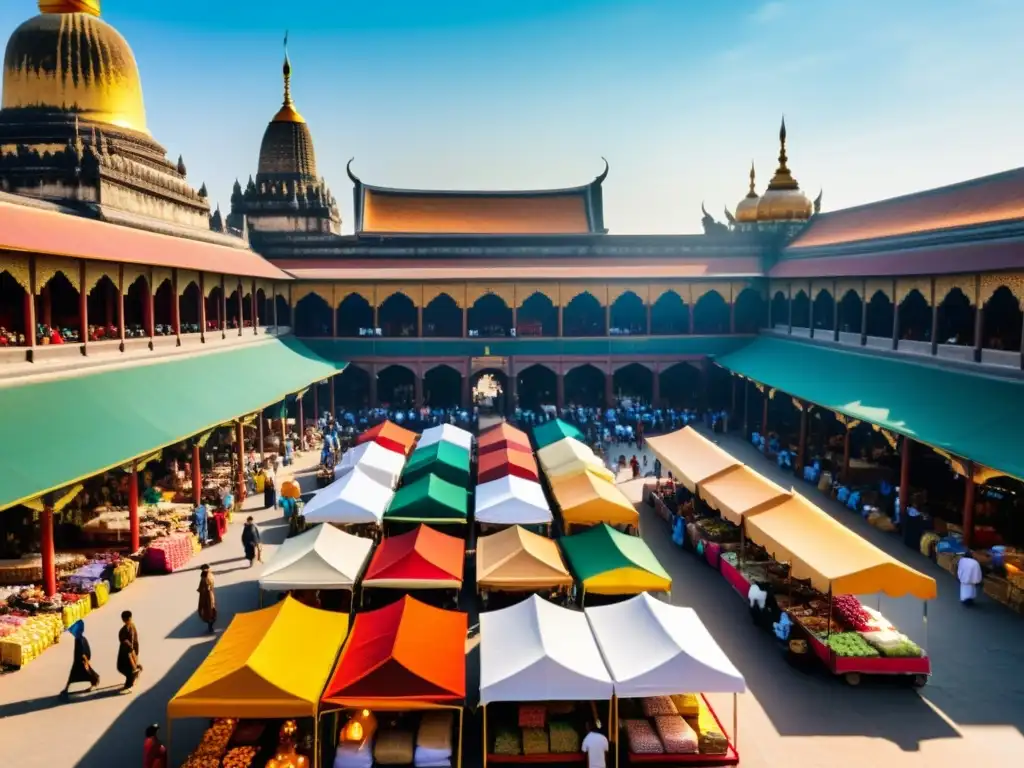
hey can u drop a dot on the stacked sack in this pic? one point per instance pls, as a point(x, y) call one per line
point(31, 636)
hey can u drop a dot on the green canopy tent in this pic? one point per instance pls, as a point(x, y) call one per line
point(428, 500)
point(445, 460)
point(606, 562)
point(552, 431)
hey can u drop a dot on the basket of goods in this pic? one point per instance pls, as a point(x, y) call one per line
point(532, 715)
point(659, 705)
point(535, 741)
point(642, 738)
point(215, 740)
point(239, 757)
point(434, 740)
point(100, 594)
point(565, 740)
point(710, 739)
point(849, 611)
point(676, 736)
point(687, 704)
point(290, 489)
point(850, 644)
point(394, 747)
point(892, 644)
point(507, 742)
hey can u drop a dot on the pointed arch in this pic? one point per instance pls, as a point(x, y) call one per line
point(801, 309)
point(489, 316)
point(780, 310)
point(1002, 319)
point(851, 310)
point(669, 315)
point(880, 315)
point(354, 316)
point(583, 316)
point(537, 316)
point(915, 317)
point(585, 386)
point(312, 317)
point(628, 314)
point(536, 386)
point(397, 315)
point(711, 314)
point(442, 386)
point(748, 311)
point(824, 311)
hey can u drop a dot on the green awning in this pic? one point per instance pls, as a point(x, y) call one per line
point(552, 431)
point(53, 433)
point(968, 415)
point(447, 461)
point(429, 500)
point(605, 560)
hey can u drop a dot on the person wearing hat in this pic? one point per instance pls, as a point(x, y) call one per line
point(154, 753)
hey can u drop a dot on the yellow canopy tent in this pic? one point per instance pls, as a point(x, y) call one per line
point(517, 560)
point(830, 555)
point(690, 456)
point(588, 500)
point(740, 492)
point(578, 467)
point(271, 663)
point(564, 451)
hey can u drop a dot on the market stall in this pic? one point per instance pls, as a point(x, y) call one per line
point(552, 431)
point(497, 464)
point(690, 457)
point(662, 670)
point(390, 436)
point(429, 500)
point(503, 437)
point(383, 465)
point(606, 562)
point(447, 461)
point(257, 672)
point(515, 562)
point(585, 499)
point(446, 433)
point(740, 491)
point(406, 695)
point(421, 559)
point(511, 500)
point(570, 456)
point(541, 677)
point(322, 558)
point(355, 498)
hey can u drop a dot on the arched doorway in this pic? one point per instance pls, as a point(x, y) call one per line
point(283, 311)
point(669, 315)
point(711, 314)
point(1001, 321)
point(880, 316)
point(101, 304)
point(136, 308)
point(537, 316)
point(490, 317)
point(635, 383)
point(850, 309)
point(680, 386)
point(355, 316)
point(58, 309)
point(261, 308)
point(12, 312)
point(583, 316)
point(396, 386)
point(164, 301)
point(915, 317)
point(537, 386)
point(442, 318)
point(214, 310)
point(780, 310)
point(189, 308)
point(352, 388)
point(397, 316)
point(824, 313)
point(628, 315)
point(442, 387)
point(748, 311)
point(489, 390)
point(312, 317)
point(235, 309)
point(956, 319)
point(584, 387)
point(801, 310)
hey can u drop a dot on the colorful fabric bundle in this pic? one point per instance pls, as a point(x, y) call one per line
point(394, 747)
point(642, 738)
point(659, 705)
point(687, 704)
point(535, 741)
point(676, 736)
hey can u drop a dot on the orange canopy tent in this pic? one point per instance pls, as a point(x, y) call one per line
point(407, 655)
point(420, 559)
point(391, 436)
point(503, 437)
point(497, 464)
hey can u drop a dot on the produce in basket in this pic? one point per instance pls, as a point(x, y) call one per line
point(849, 611)
point(687, 704)
point(507, 741)
point(642, 738)
point(239, 757)
point(202, 761)
point(677, 737)
point(535, 741)
point(394, 747)
point(659, 705)
point(564, 738)
point(532, 715)
point(851, 644)
point(892, 644)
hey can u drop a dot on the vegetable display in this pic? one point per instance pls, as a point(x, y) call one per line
point(850, 644)
point(564, 738)
point(507, 741)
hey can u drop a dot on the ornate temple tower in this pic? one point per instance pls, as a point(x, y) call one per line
point(783, 206)
point(73, 126)
point(286, 195)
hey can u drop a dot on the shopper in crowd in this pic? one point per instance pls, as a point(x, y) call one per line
point(269, 488)
point(251, 540)
point(207, 601)
point(634, 465)
point(128, 652)
point(81, 665)
point(968, 572)
point(154, 753)
point(595, 745)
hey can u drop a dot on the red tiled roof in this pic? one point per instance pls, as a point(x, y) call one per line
point(979, 201)
point(31, 230)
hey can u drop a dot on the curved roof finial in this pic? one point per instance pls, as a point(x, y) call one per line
point(753, 177)
point(348, 169)
point(704, 210)
point(604, 174)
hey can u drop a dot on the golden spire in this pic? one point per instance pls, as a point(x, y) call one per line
point(751, 193)
point(287, 113)
point(92, 7)
point(782, 179)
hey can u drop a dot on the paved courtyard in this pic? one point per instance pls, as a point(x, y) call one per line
point(971, 711)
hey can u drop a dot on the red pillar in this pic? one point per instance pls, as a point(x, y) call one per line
point(968, 521)
point(240, 454)
point(150, 299)
point(197, 476)
point(133, 508)
point(905, 476)
point(30, 319)
point(83, 308)
point(46, 546)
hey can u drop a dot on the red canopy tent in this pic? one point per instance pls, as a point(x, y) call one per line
point(503, 437)
point(497, 464)
point(391, 436)
point(420, 559)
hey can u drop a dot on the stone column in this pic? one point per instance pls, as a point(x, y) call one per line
point(241, 313)
point(864, 314)
point(560, 333)
point(648, 308)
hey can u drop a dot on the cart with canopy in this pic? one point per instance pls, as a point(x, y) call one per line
point(422, 559)
point(516, 562)
point(511, 500)
point(446, 433)
point(585, 499)
point(503, 437)
point(552, 431)
point(606, 562)
point(390, 436)
point(383, 465)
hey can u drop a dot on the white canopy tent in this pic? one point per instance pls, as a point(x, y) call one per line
point(375, 460)
point(538, 651)
point(354, 499)
point(656, 649)
point(567, 451)
point(511, 500)
point(446, 433)
point(321, 558)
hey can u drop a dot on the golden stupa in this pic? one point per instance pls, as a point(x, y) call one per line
point(783, 200)
point(286, 152)
point(746, 209)
point(68, 59)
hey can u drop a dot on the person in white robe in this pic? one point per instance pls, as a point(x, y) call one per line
point(968, 572)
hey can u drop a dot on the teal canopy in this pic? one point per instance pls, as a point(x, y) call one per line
point(448, 461)
point(552, 431)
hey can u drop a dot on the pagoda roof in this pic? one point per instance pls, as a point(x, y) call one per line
point(985, 200)
point(393, 211)
point(37, 230)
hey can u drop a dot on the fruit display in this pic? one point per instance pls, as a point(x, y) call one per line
point(532, 715)
point(718, 530)
point(658, 705)
point(848, 610)
point(23, 638)
point(216, 738)
point(850, 644)
point(565, 740)
point(507, 741)
point(535, 741)
point(642, 738)
point(676, 735)
point(239, 757)
point(168, 554)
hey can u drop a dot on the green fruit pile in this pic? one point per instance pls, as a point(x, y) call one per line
point(851, 644)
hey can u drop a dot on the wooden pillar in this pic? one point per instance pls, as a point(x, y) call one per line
point(515, 319)
point(560, 390)
point(656, 388)
point(376, 320)
point(560, 322)
point(241, 314)
point(789, 305)
point(692, 310)
point(176, 305)
point(334, 322)
point(835, 313)
point(771, 313)
point(895, 318)
point(83, 309)
point(810, 313)
point(29, 305)
point(419, 322)
point(150, 308)
point(120, 305)
point(260, 423)
point(197, 475)
point(222, 309)
point(334, 412)
point(608, 320)
point(864, 314)
point(969, 494)
point(802, 443)
point(255, 310)
point(465, 323)
point(979, 328)
point(202, 307)
point(240, 456)
point(47, 550)
point(291, 311)
point(905, 476)
point(133, 507)
point(845, 475)
point(732, 317)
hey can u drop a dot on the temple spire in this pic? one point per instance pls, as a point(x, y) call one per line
point(287, 72)
point(750, 192)
point(783, 178)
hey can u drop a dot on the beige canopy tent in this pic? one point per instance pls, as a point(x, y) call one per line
point(739, 492)
point(691, 457)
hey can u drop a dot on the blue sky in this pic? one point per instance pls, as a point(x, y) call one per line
point(881, 97)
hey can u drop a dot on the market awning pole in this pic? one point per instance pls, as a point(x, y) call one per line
point(925, 621)
point(46, 545)
point(316, 740)
point(735, 722)
point(240, 454)
point(263, 454)
point(458, 762)
point(614, 717)
point(197, 476)
point(133, 507)
point(484, 719)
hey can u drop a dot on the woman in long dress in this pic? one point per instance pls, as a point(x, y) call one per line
point(81, 666)
point(269, 490)
point(207, 600)
point(128, 652)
